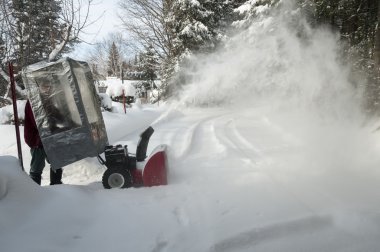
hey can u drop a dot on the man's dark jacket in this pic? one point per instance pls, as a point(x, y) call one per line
point(31, 135)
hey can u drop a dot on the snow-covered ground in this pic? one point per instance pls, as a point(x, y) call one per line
point(240, 180)
point(285, 162)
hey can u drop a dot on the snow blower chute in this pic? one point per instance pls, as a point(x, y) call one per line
point(70, 123)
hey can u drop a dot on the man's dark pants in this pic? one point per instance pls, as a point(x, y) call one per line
point(37, 166)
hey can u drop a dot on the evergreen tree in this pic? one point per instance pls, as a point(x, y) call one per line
point(149, 64)
point(37, 29)
point(357, 22)
point(377, 40)
point(197, 26)
point(2, 48)
point(114, 61)
point(136, 61)
point(246, 11)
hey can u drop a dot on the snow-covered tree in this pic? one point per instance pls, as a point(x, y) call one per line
point(357, 23)
point(114, 61)
point(376, 52)
point(36, 30)
point(245, 12)
point(149, 64)
point(197, 26)
point(39, 30)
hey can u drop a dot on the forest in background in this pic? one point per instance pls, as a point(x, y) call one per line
point(164, 34)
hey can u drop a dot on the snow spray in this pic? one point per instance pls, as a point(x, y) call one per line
point(279, 59)
point(294, 70)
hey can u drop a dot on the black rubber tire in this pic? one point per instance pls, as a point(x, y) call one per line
point(117, 178)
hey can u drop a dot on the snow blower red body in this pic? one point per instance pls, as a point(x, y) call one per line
point(128, 170)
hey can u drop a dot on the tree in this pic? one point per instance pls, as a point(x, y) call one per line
point(176, 28)
point(376, 53)
point(145, 20)
point(246, 11)
point(100, 53)
point(197, 26)
point(149, 64)
point(35, 29)
point(148, 22)
point(40, 30)
point(114, 61)
point(357, 23)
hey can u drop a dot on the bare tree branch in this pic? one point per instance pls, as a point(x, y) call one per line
point(75, 19)
point(145, 20)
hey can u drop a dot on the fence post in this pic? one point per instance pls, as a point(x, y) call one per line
point(125, 110)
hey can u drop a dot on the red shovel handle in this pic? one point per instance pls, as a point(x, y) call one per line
point(15, 113)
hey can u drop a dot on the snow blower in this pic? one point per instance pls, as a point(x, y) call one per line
point(71, 126)
point(126, 169)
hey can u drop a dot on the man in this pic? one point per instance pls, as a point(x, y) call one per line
point(33, 140)
point(55, 119)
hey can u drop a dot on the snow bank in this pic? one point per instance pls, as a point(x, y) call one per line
point(35, 214)
point(106, 101)
point(14, 183)
point(6, 113)
point(246, 179)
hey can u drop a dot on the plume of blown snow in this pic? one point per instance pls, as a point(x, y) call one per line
point(278, 59)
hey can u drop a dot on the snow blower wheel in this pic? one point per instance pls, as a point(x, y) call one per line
point(117, 178)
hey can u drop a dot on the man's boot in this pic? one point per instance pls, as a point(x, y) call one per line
point(55, 177)
point(36, 177)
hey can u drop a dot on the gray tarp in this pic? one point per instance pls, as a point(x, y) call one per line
point(66, 109)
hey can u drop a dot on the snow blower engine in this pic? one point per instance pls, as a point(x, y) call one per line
point(127, 170)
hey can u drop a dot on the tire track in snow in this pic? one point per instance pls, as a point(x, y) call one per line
point(250, 154)
point(179, 139)
point(292, 190)
point(206, 135)
point(229, 135)
point(185, 140)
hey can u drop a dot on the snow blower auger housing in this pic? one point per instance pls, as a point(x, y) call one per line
point(127, 170)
